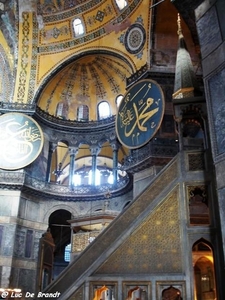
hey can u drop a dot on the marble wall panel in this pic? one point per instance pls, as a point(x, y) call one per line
point(8, 241)
point(210, 36)
point(217, 103)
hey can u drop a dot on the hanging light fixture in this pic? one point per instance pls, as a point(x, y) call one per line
point(58, 172)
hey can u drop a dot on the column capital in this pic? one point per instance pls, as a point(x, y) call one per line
point(95, 149)
point(73, 150)
point(115, 145)
point(52, 146)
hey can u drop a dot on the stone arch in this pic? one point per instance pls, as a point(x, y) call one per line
point(203, 269)
point(171, 293)
point(61, 206)
point(68, 60)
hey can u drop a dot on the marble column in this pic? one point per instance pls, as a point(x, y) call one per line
point(180, 133)
point(72, 151)
point(115, 146)
point(51, 150)
point(94, 152)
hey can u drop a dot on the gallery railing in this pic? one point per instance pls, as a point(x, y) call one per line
point(156, 148)
point(15, 180)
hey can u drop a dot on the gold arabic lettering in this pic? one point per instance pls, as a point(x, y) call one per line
point(144, 116)
point(19, 139)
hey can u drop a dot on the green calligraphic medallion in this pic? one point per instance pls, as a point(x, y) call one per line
point(21, 141)
point(140, 114)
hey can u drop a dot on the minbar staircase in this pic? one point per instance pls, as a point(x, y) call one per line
point(108, 254)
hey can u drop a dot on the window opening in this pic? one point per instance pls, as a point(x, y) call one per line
point(67, 253)
point(118, 100)
point(83, 113)
point(121, 4)
point(103, 110)
point(78, 27)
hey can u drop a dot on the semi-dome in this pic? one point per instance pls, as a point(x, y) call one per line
point(75, 91)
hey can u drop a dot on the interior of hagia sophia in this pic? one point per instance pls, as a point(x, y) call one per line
point(112, 149)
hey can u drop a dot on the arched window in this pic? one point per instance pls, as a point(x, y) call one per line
point(121, 4)
point(118, 100)
point(67, 253)
point(62, 110)
point(103, 110)
point(83, 113)
point(78, 27)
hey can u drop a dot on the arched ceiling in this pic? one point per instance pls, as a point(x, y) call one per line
point(86, 81)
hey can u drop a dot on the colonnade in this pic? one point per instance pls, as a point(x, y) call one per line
point(73, 151)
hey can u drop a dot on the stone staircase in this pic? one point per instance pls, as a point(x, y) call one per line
point(96, 255)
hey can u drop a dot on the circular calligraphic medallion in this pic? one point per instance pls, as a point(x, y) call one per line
point(135, 38)
point(140, 114)
point(21, 141)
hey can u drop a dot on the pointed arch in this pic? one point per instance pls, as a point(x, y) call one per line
point(203, 269)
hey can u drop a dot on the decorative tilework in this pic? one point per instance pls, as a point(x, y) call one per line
point(89, 37)
point(78, 9)
point(31, 88)
point(100, 16)
point(154, 247)
point(24, 58)
point(73, 43)
point(5, 78)
point(55, 32)
point(28, 61)
point(135, 38)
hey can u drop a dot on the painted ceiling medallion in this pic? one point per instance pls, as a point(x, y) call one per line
point(135, 38)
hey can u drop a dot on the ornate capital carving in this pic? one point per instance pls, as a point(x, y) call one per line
point(73, 150)
point(95, 149)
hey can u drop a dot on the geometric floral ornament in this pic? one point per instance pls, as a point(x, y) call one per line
point(140, 114)
point(135, 38)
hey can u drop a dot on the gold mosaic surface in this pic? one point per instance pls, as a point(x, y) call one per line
point(82, 240)
point(154, 247)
